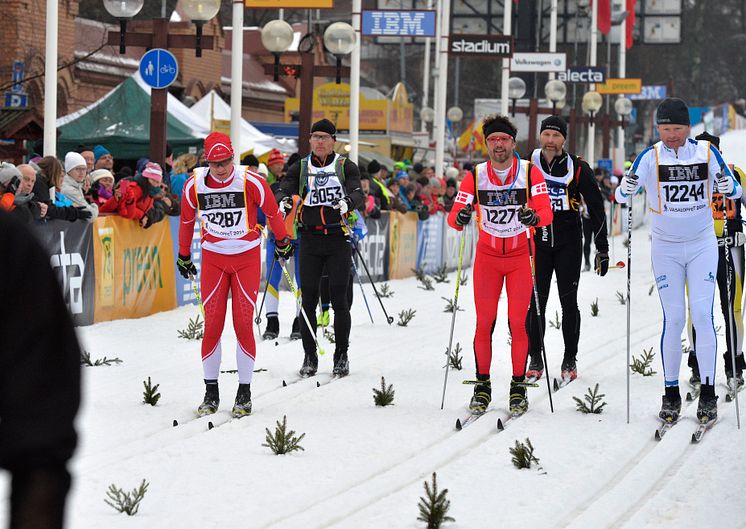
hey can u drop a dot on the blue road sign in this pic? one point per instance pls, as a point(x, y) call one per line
point(16, 100)
point(383, 23)
point(606, 164)
point(18, 75)
point(158, 68)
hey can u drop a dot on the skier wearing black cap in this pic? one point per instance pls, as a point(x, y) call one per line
point(329, 187)
point(559, 246)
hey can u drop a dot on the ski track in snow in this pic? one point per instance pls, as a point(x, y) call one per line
point(363, 466)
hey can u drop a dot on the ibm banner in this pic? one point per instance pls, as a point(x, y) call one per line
point(71, 249)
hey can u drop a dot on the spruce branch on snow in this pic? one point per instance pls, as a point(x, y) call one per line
point(385, 395)
point(150, 395)
point(594, 308)
point(454, 357)
point(593, 402)
point(85, 360)
point(385, 291)
point(405, 317)
point(523, 454)
point(419, 273)
point(555, 323)
point(441, 275)
point(126, 502)
point(621, 297)
point(451, 305)
point(434, 506)
point(283, 441)
point(194, 330)
point(426, 284)
point(642, 365)
point(329, 335)
point(464, 280)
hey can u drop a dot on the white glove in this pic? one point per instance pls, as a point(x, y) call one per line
point(739, 238)
point(286, 204)
point(342, 205)
point(629, 185)
point(725, 184)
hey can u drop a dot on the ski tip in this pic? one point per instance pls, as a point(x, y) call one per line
point(284, 384)
point(694, 439)
point(728, 398)
point(176, 423)
point(658, 435)
point(689, 397)
point(277, 343)
point(500, 425)
point(555, 385)
point(210, 426)
point(318, 384)
point(459, 426)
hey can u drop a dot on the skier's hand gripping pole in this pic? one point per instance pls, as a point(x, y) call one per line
point(300, 304)
point(455, 310)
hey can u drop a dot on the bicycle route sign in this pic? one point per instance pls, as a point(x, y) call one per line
point(158, 68)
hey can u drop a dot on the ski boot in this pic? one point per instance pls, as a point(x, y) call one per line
point(535, 368)
point(707, 409)
point(295, 333)
point(242, 406)
point(518, 402)
point(670, 405)
point(587, 267)
point(310, 365)
point(569, 369)
point(272, 330)
point(694, 380)
point(341, 364)
point(480, 401)
point(734, 382)
point(211, 401)
point(322, 320)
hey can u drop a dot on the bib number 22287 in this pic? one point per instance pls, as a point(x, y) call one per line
point(225, 219)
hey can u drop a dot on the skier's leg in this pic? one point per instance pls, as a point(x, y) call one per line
point(519, 287)
point(311, 266)
point(214, 282)
point(543, 268)
point(568, 262)
point(488, 281)
point(726, 305)
point(244, 286)
point(701, 271)
point(338, 269)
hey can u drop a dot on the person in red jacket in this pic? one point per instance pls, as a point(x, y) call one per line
point(133, 198)
point(225, 197)
point(510, 197)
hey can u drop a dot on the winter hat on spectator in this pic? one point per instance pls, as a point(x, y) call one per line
point(324, 125)
point(434, 182)
point(672, 111)
point(556, 124)
point(218, 147)
point(99, 151)
point(98, 174)
point(153, 170)
point(418, 168)
point(451, 172)
point(251, 160)
point(411, 188)
point(706, 136)
point(140, 165)
point(8, 171)
point(451, 182)
point(275, 156)
point(374, 167)
point(73, 160)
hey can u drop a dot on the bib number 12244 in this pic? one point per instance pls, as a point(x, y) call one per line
point(684, 192)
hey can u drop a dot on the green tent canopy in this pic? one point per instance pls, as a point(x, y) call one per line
point(120, 121)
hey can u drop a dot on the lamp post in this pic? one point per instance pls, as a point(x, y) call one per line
point(592, 102)
point(159, 37)
point(454, 115)
point(339, 39)
point(277, 36)
point(516, 90)
point(555, 91)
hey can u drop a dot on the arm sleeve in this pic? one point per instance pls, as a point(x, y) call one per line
point(642, 167)
point(717, 165)
point(289, 183)
point(464, 196)
point(539, 198)
point(352, 184)
point(188, 214)
point(259, 190)
point(595, 202)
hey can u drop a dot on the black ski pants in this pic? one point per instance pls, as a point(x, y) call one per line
point(333, 253)
point(565, 261)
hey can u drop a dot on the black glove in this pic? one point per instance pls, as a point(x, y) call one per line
point(527, 216)
point(602, 263)
point(83, 213)
point(375, 213)
point(463, 217)
point(283, 249)
point(186, 266)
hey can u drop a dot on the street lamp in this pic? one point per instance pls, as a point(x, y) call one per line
point(455, 114)
point(123, 10)
point(427, 114)
point(623, 107)
point(339, 39)
point(516, 90)
point(592, 102)
point(199, 12)
point(277, 36)
point(555, 91)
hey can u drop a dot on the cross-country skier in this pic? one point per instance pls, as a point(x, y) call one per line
point(731, 309)
point(225, 197)
point(559, 246)
point(679, 175)
point(509, 196)
point(329, 186)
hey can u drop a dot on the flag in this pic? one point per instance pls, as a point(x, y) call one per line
point(604, 16)
point(630, 21)
point(471, 139)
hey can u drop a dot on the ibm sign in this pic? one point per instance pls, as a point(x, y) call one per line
point(398, 23)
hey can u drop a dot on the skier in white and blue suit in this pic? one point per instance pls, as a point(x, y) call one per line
point(679, 175)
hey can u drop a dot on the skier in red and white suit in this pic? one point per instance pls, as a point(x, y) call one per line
point(510, 197)
point(225, 197)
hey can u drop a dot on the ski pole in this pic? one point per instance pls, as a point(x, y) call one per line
point(629, 287)
point(538, 315)
point(360, 282)
point(389, 319)
point(302, 310)
point(195, 288)
point(731, 345)
point(453, 317)
point(258, 319)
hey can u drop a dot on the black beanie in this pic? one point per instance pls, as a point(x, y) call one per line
point(498, 125)
point(374, 167)
point(672, 111)
point(555, 123)
point(324, 125)
point(706, 136)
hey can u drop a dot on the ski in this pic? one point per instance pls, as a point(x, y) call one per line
point(466, 420)
point(731, 393)
point(560, 383)
point(702, 428)
point(663, 429)
point(694, 393)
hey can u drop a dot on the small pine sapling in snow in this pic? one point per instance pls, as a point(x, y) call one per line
point(451, 305)
point(555, 323)
point(419, 273)
point(150, 395)
point(652, 288)
point(126, 502)
point(385, 395)
point(385, 291)
point(594, 308)
point(642, 365)
point(194, 331)
point(434, 506)
point(329, 335)
point(85, 360)
point(455, 358)
point(593, 402)
point(621, 298)
point(625, 242)
point(464, 280)
point(523, 454)
point(426, 284)
point(282, 441)
point(405, 317)
point(685, 349)
point(441, 276)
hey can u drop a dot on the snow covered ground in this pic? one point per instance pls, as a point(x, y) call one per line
point(363, 467)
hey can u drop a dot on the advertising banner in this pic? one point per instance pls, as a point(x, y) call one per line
point(620, 86)
point(71, 256)
point(430, 243)
point(135, 267)
point(402, 244)
point(538, 62)
point(184, 291)
point(452, 244)
point(374, 249)
point(482, 46)
point(395, 23)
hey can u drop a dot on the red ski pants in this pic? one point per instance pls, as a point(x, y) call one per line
point(490, 272)
point(238, 274)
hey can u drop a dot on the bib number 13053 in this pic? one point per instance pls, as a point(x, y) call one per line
point(324, 195)
point(684, 192)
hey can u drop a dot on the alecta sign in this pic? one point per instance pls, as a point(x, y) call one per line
point(486, 46)
point(583, 74)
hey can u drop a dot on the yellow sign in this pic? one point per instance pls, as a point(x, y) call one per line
point(221, 125)
point(620, 86)
point(134, 269)
point(332, 101)
point(289, 4)
point(401, 111)
point(402, 244)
